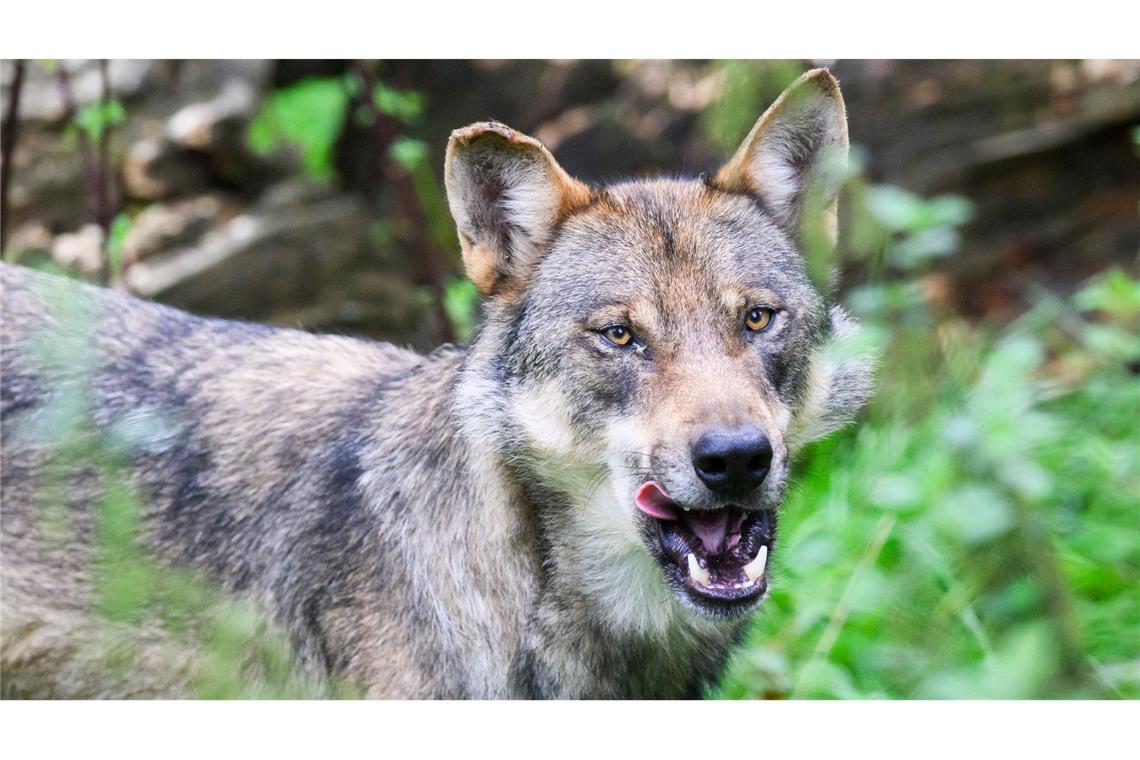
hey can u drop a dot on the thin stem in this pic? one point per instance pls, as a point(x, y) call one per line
point(96, 165)
point(90, 168)
point(8, 146)
point(429, 259)
point(104, 201)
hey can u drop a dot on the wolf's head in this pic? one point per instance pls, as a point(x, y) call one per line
point(654, 352)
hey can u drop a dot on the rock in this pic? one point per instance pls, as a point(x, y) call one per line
point(48, 186)
point(81, 250)
point(221, 121)
point(154, 169)
point(29, 238)
point(379, 304)
point(258, 261)
point(41, 99)
point(163, 226)
point(295, 193)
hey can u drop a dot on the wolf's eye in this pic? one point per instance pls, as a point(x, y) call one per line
point(619, 335)
point(759, 319)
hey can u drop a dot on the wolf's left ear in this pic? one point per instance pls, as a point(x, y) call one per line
point(785, 157)
point(507, 194)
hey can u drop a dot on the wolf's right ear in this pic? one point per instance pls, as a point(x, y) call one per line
point(507, 194)
point(784, 159)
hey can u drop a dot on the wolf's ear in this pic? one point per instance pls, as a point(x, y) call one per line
point(787, 156)
point(506, 194)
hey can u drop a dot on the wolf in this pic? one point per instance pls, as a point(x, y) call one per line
point(582, 503)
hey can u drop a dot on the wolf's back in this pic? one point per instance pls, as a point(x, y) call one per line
point(242, 443)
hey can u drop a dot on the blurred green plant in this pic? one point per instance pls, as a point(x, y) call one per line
point(924, 229)
point(747, 87)
point(977, 535)
point(116, 238)
point(404, 105)
point(461, 300)
point(412, 156)
point(97, 117)
point(307, 116)
point(988, 548)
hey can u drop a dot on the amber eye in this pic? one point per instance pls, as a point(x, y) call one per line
point(759, 319)
point(619, 335)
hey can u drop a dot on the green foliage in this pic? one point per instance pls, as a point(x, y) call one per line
point(748, 87)
point(95, 118)
point(116, 237)
point(1117, 296)
point(308, 116)
point(412, 156)
point(976, 536)
point(1116, 293)
point(405, 105)
point(409, 153)
point(923, 228)
point(892, 229)
point(461, 301)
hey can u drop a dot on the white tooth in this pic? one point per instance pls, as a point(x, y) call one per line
point(696, 572)
point(755, 568)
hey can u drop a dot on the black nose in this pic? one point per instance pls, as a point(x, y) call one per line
point(732, 461)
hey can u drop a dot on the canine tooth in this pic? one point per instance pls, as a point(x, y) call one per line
point(755, 568)
point(696, 572)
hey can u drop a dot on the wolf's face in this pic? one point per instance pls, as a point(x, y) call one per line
point(661, 346)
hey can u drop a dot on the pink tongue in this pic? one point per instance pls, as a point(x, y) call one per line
point(652, 499)
point(710, 526)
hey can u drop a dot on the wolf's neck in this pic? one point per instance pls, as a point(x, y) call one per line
point(600, 620)
point(604, 623)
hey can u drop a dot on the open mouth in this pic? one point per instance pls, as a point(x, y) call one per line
point(718, 556)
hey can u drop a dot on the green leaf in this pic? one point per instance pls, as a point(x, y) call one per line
point(404, 105)
point(120, 226)
point(895, 492)
point(461, 302)
point(895, 208)
point(307, 116)
point(1115, 292)
point(975, 513)
point(409, 153)
point(95, 118)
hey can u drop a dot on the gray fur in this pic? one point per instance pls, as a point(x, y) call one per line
point(452, 525)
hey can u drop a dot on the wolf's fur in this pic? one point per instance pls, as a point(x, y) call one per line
point(459, 524)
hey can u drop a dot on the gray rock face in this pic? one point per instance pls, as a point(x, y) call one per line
point(81, 250)
point(270, 258)
point(168, 226)
point(214, 229)
point(42, 100)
